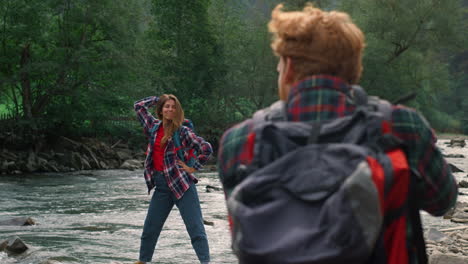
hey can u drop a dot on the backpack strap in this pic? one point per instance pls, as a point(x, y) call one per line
point(387, 141)
point(415, 219)
point(178, 145)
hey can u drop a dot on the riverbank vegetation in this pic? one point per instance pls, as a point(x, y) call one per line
point(74, 68)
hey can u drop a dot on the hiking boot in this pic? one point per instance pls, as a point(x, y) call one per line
point(140, 262)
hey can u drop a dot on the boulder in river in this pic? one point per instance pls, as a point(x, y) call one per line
point(132, 165)
point(455, 168)
point(18, 221)
point(13, 245)
point(457, 143)
point(454, 156)
point(210, 188)
point(435, 235)
point(206, 222)
point(463, 184)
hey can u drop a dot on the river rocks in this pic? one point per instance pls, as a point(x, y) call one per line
point(435, 235)
point(71, 155)
point(459, 214)
point(18, 221)
point(454, 156)
point(457, 143)
point(463, 184)
point(449, 246)
point(13, 245)
point(131, 164)
point(210, 188)
point(206, 222)
point(455, 168)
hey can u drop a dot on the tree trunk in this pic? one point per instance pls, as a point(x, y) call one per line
point(26, 82)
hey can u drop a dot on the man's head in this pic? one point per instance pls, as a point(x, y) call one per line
point(313, 41)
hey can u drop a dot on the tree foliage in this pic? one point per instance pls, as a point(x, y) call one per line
point(66, 66)
point(409, 48)
point(69, 61)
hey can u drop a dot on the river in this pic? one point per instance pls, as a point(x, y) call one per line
point(97, 217)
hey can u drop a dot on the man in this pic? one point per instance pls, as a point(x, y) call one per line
point(320, 56)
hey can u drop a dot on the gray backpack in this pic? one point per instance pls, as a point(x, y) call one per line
point(314, 192)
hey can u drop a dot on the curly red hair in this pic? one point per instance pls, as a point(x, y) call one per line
point(318, 42)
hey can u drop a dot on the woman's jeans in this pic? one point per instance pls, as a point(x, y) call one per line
point(160, 206)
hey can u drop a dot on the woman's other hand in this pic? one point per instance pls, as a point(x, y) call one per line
point(185, 167)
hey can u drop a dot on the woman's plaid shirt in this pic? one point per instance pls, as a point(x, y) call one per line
point(177, 179)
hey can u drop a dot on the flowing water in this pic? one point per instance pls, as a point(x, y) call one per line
point(97, 217)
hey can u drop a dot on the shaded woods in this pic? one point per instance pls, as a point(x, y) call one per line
point(68, 68)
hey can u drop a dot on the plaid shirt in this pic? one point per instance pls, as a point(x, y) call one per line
point(321, 98)
point(177, 179)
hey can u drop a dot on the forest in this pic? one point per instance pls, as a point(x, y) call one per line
point(74, 68)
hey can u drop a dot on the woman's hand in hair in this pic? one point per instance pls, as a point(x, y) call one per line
point(185, 167)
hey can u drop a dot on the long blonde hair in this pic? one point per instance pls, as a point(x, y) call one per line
point(170, 126)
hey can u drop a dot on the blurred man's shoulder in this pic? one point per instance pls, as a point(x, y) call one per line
point(238, 132)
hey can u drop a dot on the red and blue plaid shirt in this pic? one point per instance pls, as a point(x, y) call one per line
point(322, 98)
point(177, 179)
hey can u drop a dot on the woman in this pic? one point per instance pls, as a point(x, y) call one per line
point(172, 179)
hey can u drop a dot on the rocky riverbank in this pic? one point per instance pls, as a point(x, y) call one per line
point(67, 155)
point(447, 237)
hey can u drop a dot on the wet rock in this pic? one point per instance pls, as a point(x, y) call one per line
point(435, 235)
point(8, 165)
point(13, 245)
point(131, 164)
point(454, 249)
point(93, 161)
point(454, 155)
point(210, 188)
point(103, 165)
point(113, 163)
point(463, 184)
point(85, 163)
point(18, 221)
point(208, 222)
point(139, 156)
point(457, 143)
point(65, 143)
point(70, 159)
point(124, 154)
point(460, 207)
point(455, 168)
point(31, 162)
point(44, 155)
point(460, 214)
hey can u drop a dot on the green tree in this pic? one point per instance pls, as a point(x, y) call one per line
point(406, 44)
point(66, 61)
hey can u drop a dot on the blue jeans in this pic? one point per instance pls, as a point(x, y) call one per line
point(160, 206)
